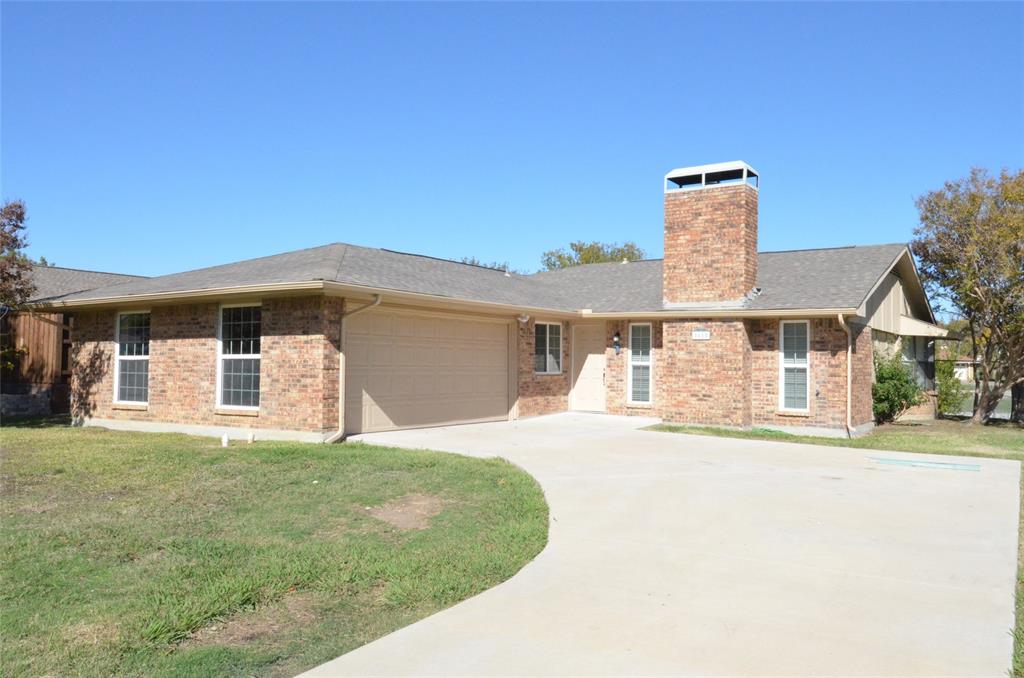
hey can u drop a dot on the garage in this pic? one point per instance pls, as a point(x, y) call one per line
point(407, 369)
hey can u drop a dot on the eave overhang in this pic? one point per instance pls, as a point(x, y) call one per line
point(912, 327)
point(331, 288)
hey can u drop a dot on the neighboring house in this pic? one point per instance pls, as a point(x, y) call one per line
point(954, 350)
point(338, 339)
point(963, 370)
point(38, 382)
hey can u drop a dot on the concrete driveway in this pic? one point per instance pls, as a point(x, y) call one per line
point(685, 555)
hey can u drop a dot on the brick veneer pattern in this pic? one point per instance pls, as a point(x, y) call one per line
point(298, 371)
point(541, 393)
point(710, 244)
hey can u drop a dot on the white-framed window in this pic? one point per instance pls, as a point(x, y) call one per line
point(794, 365)
point(640, 371)
point(238, 357)
point(131, 366)
point(547, 348)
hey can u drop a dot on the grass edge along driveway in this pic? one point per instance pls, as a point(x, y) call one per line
point(164, 554)
point(1000, 440)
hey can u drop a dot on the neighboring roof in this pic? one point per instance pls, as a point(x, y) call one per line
point(56, 281)
point(835, 278)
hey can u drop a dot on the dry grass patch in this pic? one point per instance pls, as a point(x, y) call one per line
point(411, 512)
point(295, 610)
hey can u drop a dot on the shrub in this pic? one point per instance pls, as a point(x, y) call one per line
point(894, 391)
point(951, 392)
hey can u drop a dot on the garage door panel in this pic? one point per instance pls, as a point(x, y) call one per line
point(380, 354)
point(494, 333)
point(407, 369)
point(405, 327)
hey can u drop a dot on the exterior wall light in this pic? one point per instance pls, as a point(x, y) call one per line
point(617, 343)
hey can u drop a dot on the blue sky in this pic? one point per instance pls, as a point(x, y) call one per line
point(150, 138)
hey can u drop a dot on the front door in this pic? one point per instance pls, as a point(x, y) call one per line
point(588, 362)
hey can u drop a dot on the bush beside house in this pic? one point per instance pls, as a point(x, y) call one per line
point(950, 390)
point(894, 391)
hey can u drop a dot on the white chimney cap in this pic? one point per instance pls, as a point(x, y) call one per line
point(702, 176)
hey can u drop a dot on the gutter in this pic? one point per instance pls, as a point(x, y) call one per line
point(344, 289)
point(340, 434)
point(269, 288)
point(718, 313)
point(849, 373)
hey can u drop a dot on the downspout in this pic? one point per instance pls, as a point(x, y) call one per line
point(340, 433)
point(849, 373)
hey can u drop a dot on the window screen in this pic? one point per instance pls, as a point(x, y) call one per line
point(547, 348)
point(794, 378)
point(133, 358)
point(640, 363)
point(240, 356)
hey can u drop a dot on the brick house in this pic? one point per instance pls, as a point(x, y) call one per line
point(323, 342)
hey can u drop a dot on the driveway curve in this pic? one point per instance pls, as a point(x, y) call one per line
point(675, 555)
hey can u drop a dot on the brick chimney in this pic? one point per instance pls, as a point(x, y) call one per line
point(710, 234)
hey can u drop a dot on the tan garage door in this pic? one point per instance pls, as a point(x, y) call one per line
point(407, 369)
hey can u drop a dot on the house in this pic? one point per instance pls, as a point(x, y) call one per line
point(339, 339)
point(963, 370)
point(37, 383)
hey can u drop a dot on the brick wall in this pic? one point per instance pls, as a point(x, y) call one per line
point(695, 381)
point(710, 243)
point(298, 370)
point(616, 366)
point(732, 379)
point(827, 376)
point(863, 375)
point(704, 381)
point(541, 393)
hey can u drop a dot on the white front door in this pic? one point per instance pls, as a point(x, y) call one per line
point(588, 362)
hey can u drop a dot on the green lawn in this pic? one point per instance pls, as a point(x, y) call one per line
point(999, 439)
point(1002, 410)
point(153, 554)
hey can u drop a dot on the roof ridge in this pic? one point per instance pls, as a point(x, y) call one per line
point(837, 247)
point(245, 261)
point(450, 261)
point(341, 259)
point(86, 270)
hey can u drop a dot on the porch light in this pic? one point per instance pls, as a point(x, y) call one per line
point(617, 342)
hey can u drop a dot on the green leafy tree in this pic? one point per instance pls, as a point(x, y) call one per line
point(894, 391)
point(590, 253)
point(15, 268)
point(970, 243)
point(497, 265)
point(950, 390)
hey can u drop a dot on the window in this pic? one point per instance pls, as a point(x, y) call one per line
point(640, 363)
point(238, 373)
point(547, 348)
point(793, 365)
point(132, 379)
